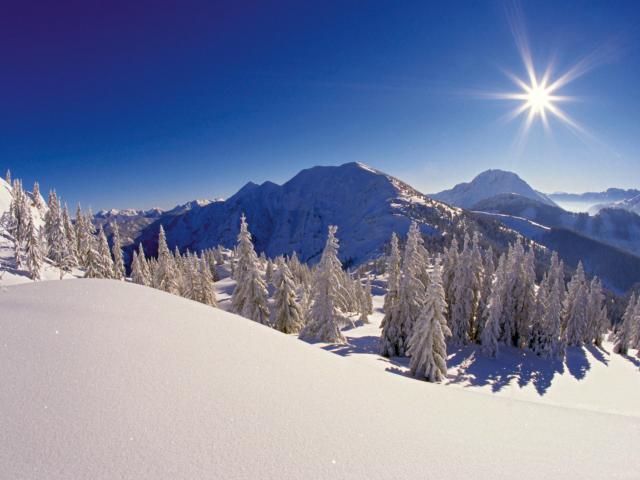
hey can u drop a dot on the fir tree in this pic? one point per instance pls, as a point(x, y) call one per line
point(33, 250)
point(249, 297)
point(427, 347)
point(105, 262)
point(288, 314)
point(626, 331)
point(116, 248)
point(37, 198)
point(462, 297)
point(165, 274)
point(575, 308)
point(324, 320)
point(206, 292)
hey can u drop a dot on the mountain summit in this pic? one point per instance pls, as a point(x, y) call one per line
point(489, 184)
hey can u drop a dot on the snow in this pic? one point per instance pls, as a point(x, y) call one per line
point(105, 379)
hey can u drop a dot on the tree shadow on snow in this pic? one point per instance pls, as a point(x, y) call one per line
point(598, 353)
point(521, 366)
point(577, 362)
point(359, 345)
point(633, 360)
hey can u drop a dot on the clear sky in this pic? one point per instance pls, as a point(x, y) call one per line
point(137, 104)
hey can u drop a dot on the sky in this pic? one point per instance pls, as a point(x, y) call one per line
point(141, 104)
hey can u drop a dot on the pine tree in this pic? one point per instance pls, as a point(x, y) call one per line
point(249, 297)
point(7, 177)
point(105, 262)
point(145, 272)
point(626, 330)
point(118, 261)
point(427, 347)
point(462, 297)
point(93, 267)
point(54, 230)
point(19, 215)
point(368, 297)
point(575, 308)
point(37, 198)
point(393, 275)
point(165, 274)
point(596, 325)
point(72, 242)
point(206, 292)
point(324, 319)
point(136, 271)
point(492, 332)
point(33, 250)
point(488, 270)
point(397, 328)
point(288, 314)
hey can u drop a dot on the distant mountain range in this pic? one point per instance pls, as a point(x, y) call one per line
point(368, 205)
point(608, 196)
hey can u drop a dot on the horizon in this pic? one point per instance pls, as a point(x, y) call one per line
point(194, 101)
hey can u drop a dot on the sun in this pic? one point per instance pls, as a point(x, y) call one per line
point(538, 99)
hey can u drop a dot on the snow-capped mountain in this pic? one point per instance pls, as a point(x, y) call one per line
point(365, 204)
point(630, 204)
point(488, 184)
point(588, 201)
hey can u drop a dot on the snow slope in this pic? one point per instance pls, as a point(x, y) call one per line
point(489, 184)
point(103, 379)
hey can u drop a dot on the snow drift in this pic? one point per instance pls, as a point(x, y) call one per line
point(104, 379)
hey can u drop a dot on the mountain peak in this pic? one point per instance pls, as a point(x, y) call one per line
point(489, 184)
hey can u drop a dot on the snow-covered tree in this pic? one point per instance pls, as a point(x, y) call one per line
point(33, 250)
point(7, 177)
point(626, 330)
point(54, 230)
point(368, 296)
point(462, 297)
point(105, 262)
point(596, 320)
point(488, 270)
point(136, 271)
point(92, 262)
point(324, 320)
point(116, 248)
point(492, 332)
point(575, 308)
point(165, 273)
point(249, 297)
point(70, 234)
point(205, 291)
point(427, 347)
point(393, 276)
point(397, 328)
point(288, 314)
point(37, 198)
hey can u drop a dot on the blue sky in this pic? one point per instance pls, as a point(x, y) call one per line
point(121, 105)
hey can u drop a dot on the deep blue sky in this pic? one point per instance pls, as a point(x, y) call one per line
point(137, 104)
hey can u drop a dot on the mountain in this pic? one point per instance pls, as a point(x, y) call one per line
point(488, 184)
point(104, 379)
point(586, 202)
point(607, 243)
point(367, 206)
point(615, 227)
point(630, 204)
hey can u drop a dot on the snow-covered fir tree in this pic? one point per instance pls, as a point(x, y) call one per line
point(368, 296)
point(624, 336)
point(105, 262)
point(54, 230)
point(488, 270)
point(70, 234)
point(33, 250)
point(324, 320)
point(116, 249)
point(397, 329)
point(427, 347)
point(575, 308)
point(597, 322)
point(249, 297)
point(165, 273)
point(92, 264)
point(492, 332)
point(37, 197)
point(462, 297)
point(205, 291)
point(136, 271)
point(288, 314)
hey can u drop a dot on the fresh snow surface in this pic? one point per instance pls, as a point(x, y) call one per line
point(105, 379)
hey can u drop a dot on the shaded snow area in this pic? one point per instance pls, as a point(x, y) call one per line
point(104, 379)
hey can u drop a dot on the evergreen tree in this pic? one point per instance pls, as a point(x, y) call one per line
point(118, 261)
point(288, 314)
point(165, 273)
point(105, 262)
point(33, 250)
point(427, 347)
point(249, 297)
point(462, 297)
point(488, 270)
point(93, 267)
point(71, 259)
point(145, 272)
point(136, 271)
point(575, 308)
point(324, 319)
point(393, 275)
point(626, 330)
point(492, 331)
point(596, 323)
point(54, 230)
point(7, 177)
point(368, 297)
point(37, 198)
point(206, 292)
